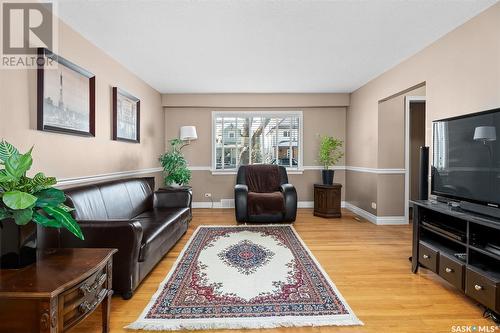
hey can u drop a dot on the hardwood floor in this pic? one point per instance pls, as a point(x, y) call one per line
point(368, 263)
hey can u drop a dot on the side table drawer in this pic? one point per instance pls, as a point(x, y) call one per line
point(82, 299)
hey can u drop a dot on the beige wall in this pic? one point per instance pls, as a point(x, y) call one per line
point(361, 190)
point(327, 117)
point(462, 75)
point(68, 156)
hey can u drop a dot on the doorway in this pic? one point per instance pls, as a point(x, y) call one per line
point(415, 116)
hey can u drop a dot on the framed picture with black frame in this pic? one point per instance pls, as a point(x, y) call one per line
point(126, 116)
point(65, 96)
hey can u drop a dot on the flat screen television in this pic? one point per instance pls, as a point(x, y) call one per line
point(466, 158)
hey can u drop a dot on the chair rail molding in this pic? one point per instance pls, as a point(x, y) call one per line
point(308, 168)
point(106, 176)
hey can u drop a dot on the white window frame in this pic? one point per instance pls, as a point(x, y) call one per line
point(243, 114)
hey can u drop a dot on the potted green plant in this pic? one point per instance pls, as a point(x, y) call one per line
point(174, 165)
point(329, 154)
point(24, 200)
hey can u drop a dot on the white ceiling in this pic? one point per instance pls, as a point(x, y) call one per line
point(264, 46)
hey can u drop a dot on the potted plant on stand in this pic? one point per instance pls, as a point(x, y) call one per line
point(174, 165)
point(329, 154)
point(24, 200)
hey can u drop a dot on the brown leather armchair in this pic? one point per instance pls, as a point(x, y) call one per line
point(262, 194)
point(127, 215)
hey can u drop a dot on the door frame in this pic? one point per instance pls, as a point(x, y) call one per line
point(408, 101)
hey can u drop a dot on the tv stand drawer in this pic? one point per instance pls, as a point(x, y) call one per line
point(428, 256)
point(482, 289)
point(452, 270)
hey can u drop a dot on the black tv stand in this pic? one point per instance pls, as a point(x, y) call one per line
point(460, 247)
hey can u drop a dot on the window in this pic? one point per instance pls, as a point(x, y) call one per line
point(244, 138)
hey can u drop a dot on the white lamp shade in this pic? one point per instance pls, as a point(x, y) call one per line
point(485, 133)
point(188, 133)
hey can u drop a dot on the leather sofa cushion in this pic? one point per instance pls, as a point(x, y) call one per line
point(157, 225)
point(122, 199)
point(265, 203)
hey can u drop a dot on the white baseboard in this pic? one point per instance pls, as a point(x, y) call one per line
point(305, 204)
point(229, 203)
point(378, 220)
point(391, 220)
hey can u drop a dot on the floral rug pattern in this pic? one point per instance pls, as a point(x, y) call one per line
point(245, 277)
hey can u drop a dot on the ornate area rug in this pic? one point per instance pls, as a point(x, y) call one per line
point(245, 277)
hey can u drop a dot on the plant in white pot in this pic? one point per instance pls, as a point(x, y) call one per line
point(330, 152)
point(24, 200)
point(174, 165)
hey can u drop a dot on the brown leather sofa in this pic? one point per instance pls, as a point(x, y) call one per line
point(127, 215)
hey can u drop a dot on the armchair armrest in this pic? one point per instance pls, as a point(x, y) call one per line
point(178, 199)
point(290, 195)
point(240, 202)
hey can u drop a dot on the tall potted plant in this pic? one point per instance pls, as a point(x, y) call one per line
point(24, 200)
point(174, 165)
point(329, 154)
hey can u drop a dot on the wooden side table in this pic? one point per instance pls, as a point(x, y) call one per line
point(327, 200)
point(61, 289)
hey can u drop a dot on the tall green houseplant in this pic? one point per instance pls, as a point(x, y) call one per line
point(175, 165)
point(26, 199)
point(330, 152)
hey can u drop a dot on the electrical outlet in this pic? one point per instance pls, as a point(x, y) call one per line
point(208, 195)
point(374, 205)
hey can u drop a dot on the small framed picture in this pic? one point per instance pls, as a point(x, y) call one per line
point(126, 116)
point(65, 97)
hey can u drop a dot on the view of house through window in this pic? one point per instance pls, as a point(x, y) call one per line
point(256, 138)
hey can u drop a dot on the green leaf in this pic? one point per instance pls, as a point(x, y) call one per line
point(22, 216)
point(18, 200)
point(7, 150)
point(65, 208)
point(45, 221)
point(4, 177)
point(4, 214)
point(41, 182)
point(50, 197)
point(17, 165)
point(65, 219)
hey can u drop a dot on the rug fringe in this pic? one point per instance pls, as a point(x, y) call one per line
point(256, 324)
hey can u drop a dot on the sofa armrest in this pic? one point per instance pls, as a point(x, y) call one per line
point(178, 199)
point(290, 195)
point(124, 235)
point(240, 202)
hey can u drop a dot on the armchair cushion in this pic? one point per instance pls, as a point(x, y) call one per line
point(265, 203)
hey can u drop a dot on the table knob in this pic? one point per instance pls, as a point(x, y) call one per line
point(448, 270)
point(425, 256)
point(478, 287)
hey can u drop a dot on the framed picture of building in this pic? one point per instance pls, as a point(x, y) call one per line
point(126, 116)
point(65, 97)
